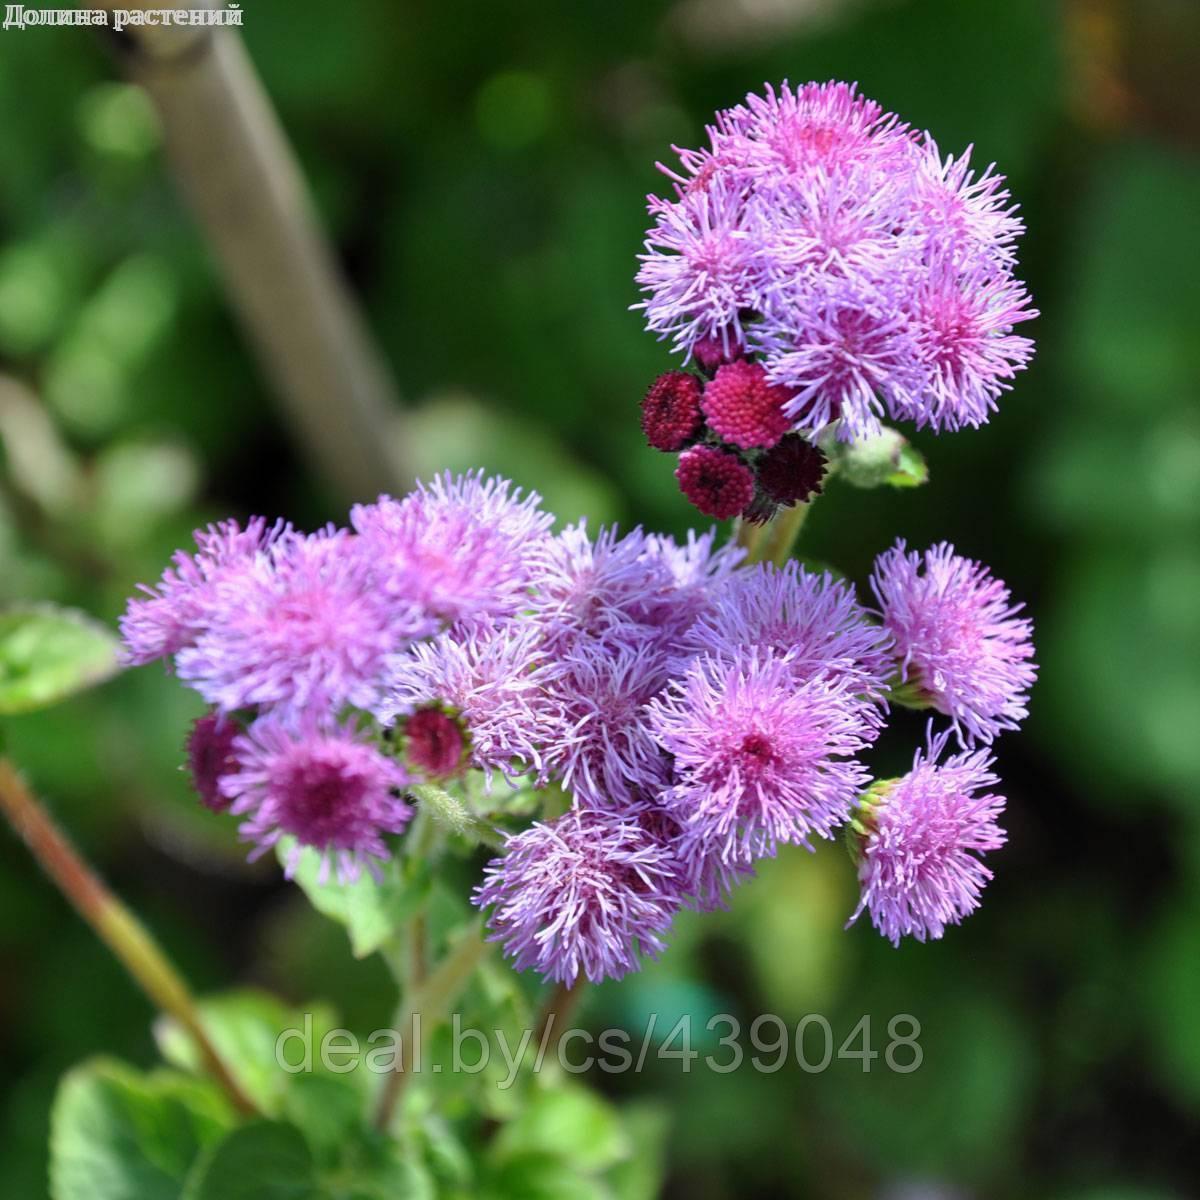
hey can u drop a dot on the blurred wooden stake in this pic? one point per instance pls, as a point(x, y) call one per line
point(236, 170)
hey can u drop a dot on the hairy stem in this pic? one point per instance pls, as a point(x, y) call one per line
point(559, 1007)
point(115, 924)
point(430, 1001)
point(781, 534)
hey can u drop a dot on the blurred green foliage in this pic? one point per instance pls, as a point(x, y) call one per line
point(481, 169)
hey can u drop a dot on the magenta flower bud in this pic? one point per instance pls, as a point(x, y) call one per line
point(434, 745)
point(671, 411)
point(719, 484)
point(211, 757)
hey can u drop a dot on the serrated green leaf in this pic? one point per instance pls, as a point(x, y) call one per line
point(372, 910)
point(48, 654)
point(261, 1161)
point(246, 1028)
point(540, 1176)
point(570, 1122)
point(117, 1134)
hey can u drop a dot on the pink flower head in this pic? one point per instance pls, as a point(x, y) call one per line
point(606, 755)
point(718, 483)
point(456, 547)
point(918, 841)
point(843, 352)
point(325, 787)
point(758, 759)
point(742, 407)
point(963, 322)
point(583, 895)
point(434, 744)
point(586, 587)
point(960, 643)
point(699, 269)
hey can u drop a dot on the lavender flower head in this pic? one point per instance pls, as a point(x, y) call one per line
point(758, 759)
point(324, 787)
point(304, 625)
point(918, 841)
point(811, 620)
point(581, 895)
point(457, 547)
point(961, 646)
point(869, 275)
point(173, 613)
point(496, 677)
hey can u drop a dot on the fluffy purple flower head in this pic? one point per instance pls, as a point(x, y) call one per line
point(818, 128)
point(496, 677)
point(325, 787)
point(811, 620)
point(177, 609)
point(584, 894)
point(700, 269)
point(698, 567)
point(305, 626)
point(961, 646)
point(918, 841)
point(759, 760)
point(614, 584)
point(844, 352)
point(456, 547)
point(607, 755)
point(836, 247)
point(957, 207)
point(962, 320)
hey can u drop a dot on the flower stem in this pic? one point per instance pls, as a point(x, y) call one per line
point(558, 1009)
point(114, 924)
point(430, 1000)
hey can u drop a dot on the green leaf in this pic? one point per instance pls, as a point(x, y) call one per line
point(48, 654)
point(572, 1123)
point(117, 1134)
point(247, 1027)
point(371, 910)
point(540, 1176)
point(888, 459)
point(261, 1161)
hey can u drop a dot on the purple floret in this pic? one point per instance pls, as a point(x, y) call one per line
point(582, 895)
point(919, 839)
point(325, 787)
point(961, 645)
point(759, 759)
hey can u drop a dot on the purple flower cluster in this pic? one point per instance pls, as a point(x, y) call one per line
point(684, 715)
point(697, 714)
point(869, 274)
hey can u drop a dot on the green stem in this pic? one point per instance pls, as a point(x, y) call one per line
point(431, 1000)
point(782, 532)
point(114, 924)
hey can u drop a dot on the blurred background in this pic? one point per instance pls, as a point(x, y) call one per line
point(481, 169)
